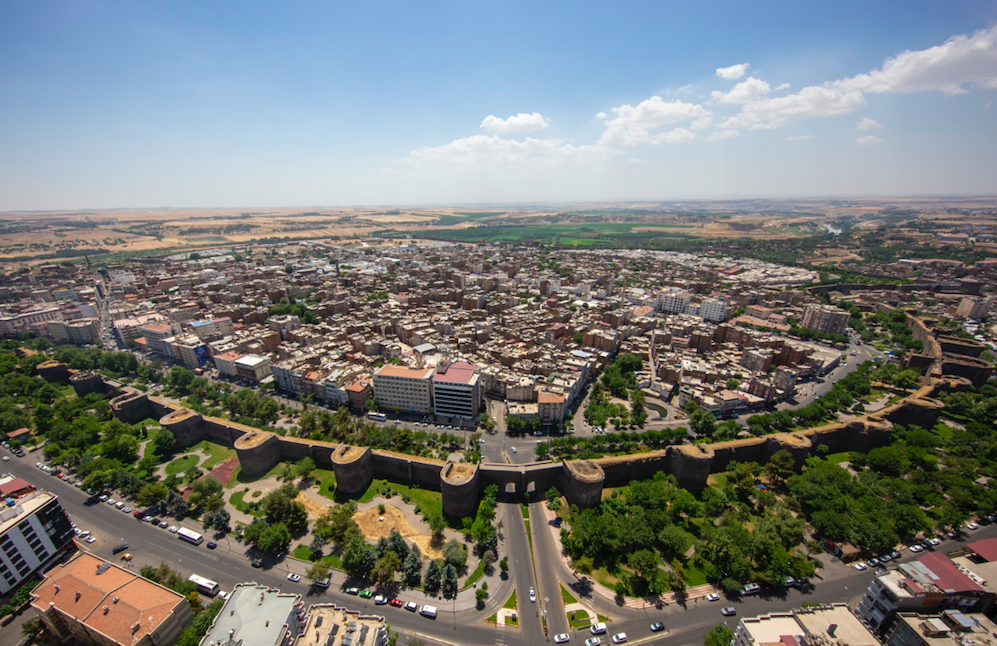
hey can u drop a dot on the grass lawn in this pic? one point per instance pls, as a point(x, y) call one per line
point(943, 431)
point(326, 481)
point(428, 502)
point(838, 458)
point(239, 478)
point(216, 453)
point(566, 596)
point(474, 576)
point(694, 576)
point(253, 509)
point(151, 435)
point(181, 464)
point(717, 481)
point(302, 553)
point(526, 511)
point(511, 603)
point(578, 619)
point(606, 577)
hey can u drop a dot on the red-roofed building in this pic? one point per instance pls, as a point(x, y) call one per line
point(99, 603)
point(456, 390)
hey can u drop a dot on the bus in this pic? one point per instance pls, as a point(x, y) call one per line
point(206, 586)
point(377, 417)
point(185, 534)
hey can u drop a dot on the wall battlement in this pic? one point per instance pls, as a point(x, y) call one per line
point(581, 481)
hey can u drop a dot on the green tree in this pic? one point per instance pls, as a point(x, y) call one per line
point(780, 466)
point(436, 523)
point(337, 522)
point(719, 635)
point(152, 494)
point(317, 572)
point(431, 582)
point(304, 467)
point(386, 566)
point(274, 539)
point(455, 553)
point(163, 443)
point(357, 556)
point(449, 581)
point(412, 569)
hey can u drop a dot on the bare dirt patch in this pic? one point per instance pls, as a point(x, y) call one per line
point(222, 472)
point(314, 509)
point(373, 528)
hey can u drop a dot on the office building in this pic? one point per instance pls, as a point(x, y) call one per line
point(973, 308)
point(252, 367)
point(949, 628)
point(257, 615)
point(456, 390)
point(329, 625)
point(815, 626)
point(34, 531)
point(825, 319)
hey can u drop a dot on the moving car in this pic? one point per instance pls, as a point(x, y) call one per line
point(713, 596)
point(428, 611)
point(561, 638)
point(322, 583)
point(90, 539)
point(533, 595)
point(294, 578)
point(212, 545)
point(118, 549)
point(750, 588)
point(173, 529)
point(657, 627)
point(126, 557)
point(729, 611)
point(620, 638)
point(514, 449)
point(257, 563)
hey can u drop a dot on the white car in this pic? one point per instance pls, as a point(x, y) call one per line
point(593, 641)
point(173, 529)
point(935, 541)
point(860, 566)
point(6, 459)
point(513, 449)
point(916, 548)
point(713, 596)
point(561, 638)
point(379, 600)
point(620, 638)
point(294, 578)
point(111, 501)
point(90, 539)
point(972, 526)
point(533, 595)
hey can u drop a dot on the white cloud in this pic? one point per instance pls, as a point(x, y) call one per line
point(945, 68)
point(601, 115)
point(744, 92)
point(494, 149)
point(814, 101)
point(782, 86)
point(868, 140)
point(868, 124)
point(521, 122)
point(732, 72)
point(800, 137)
point(633, 125)
point(723, 134)
point(685, 89)
point(676, 136)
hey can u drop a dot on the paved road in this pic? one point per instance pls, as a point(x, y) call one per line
point(228, 565)
point(530, 629)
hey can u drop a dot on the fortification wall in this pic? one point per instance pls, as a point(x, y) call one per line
point(691, 464)
point(424, 472)
point(84, 383)
point(131, 407)
point(258, 452)
point(55, 371)
point(186, 426)
point(459, 484)
point(621, 469)
point(354, 468)
point(583, 481)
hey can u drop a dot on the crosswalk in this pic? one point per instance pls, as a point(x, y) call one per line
point(500, 635)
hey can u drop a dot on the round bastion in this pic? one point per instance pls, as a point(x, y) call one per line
point(583, 483)
point(459, 486)
point(258, 452)
point(354, 467)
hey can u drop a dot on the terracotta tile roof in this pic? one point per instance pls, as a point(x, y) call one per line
point(77, 589)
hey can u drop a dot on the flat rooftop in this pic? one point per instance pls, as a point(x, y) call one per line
point(256, 615)
point(329, 625)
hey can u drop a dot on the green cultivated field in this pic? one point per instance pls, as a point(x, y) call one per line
point(603, 234)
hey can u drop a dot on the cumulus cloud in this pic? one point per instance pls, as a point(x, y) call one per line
point(868, 140)
point(723, 134)
point(633, 125)
point(495, 149)
point(732, 72)
point(814, 101)
point(521, 122)
point(601, 115)
point(744, 92)
point(800, 137)
point(868, 124)
point(961, 60)
point(782, 86)
point(946, 68)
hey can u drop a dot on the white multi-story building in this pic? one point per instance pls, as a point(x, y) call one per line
point(456, 390)
point(973, 308)
point(155, 335)
point(33, 531)
point(815, 626)
point(260, 615)
point(253, 367)
point(673, 299)
point(405, 389)
point(15, 323)
point(715, 309)
point(825, 318)
point(79, 332)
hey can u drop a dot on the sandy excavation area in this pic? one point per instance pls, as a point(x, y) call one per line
point(373, 528)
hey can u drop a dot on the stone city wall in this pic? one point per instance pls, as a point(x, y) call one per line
point(581, 481)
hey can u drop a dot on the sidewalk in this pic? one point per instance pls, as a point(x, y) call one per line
point(636, 603)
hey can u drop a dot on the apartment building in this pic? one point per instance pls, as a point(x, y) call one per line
point(973, 308)
point(79, 332)
point(673, 299)
point(949, 628)
point(815, 626)
point(405, 389)
point(34, 530)
point(225, 362)
point(931, 582)
point(188, 349)
point(156, 335)
point(825, 319)
point(715, 309)
point(92, 601)
point(456, 390)
point(257, 615)
point(252, 367)
point(550, 407)
point(329, 625)
point(15, 323)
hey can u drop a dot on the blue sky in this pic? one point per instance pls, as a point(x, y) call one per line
point(122, 104)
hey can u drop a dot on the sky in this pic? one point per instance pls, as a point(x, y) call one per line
point(107, 104)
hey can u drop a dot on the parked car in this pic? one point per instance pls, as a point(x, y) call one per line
point(750, 588)
point(713, 596)
point(366, 594)
point(322, 583)
point(396, 603)
point(860, 566)
point(257, 563)
point(411, 606)
point(380, 600)
point(353, 591)
point(212, 545)
point(593, 641)
point(294, 578)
